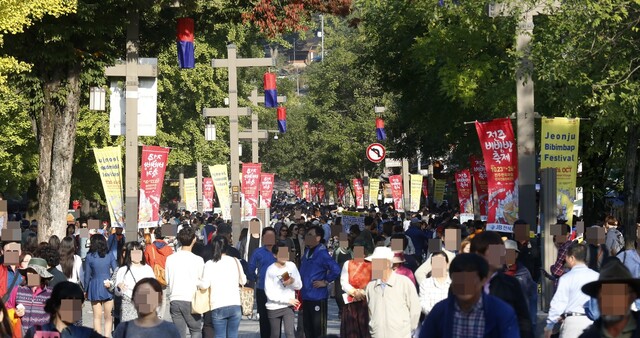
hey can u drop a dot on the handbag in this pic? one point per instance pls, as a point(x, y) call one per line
point(200, 302)
point(246, 295)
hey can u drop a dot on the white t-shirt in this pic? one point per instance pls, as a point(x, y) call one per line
point(130, 276)
point(223, 277)
point(182, 272)
point(77, 273)
point(278, 295)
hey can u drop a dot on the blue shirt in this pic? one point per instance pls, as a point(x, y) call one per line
point(327, 232)
point(261, 259)
point(10, 275)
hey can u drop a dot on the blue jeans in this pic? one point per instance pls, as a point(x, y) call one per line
point(226, 321)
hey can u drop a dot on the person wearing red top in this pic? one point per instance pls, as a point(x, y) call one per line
point(157, 253)
point(355, 275)
point(399, 268)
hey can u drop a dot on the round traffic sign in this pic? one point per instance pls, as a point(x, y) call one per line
point(376, 152)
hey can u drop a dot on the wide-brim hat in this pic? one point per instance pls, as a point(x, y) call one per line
point(39, 266)
point(614, 272)
point(381, 252)
point(398, 257)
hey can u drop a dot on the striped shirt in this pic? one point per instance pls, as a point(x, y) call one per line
point(33, 304)
point(469, 324)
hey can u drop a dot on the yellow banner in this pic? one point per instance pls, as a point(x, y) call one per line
point(438, 193)
point(221, 182)
point(416, 192)
point(109, 162)
point(559, 149)
point(189, 193)
point(374, 187)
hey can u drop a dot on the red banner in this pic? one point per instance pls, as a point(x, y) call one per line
point(479, 173)
point(358, 190)
point(266, 189)
point(154, 163)
point(207, 194)
point(465, 192)
point(305, 191)
point(396, 191)
point(250, 186)
point(314, 192)
point(425, 187)
point(501, 162)
point(294, 185)
point(340, 189)
point(321, 192)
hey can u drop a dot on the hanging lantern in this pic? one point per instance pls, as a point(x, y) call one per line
point(186, 58)
point(270, 90)
point(282, 119)
point(380, 129)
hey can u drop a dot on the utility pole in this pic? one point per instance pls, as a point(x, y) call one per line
point(322, 33)
point(256, 135)
point(232, 63)
point(524, 96)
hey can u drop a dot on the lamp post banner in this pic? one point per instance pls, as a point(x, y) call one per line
point(396, 191)
point(154, 164)
point(207, 194)
point(321, 192)
point(501, 162)
point(266, 189)
point(416, 191)
point(465, 194)
point(559, 150)
point(340, 189)
point(425, 187)
point(374, 188)
point(479, 173)
point(358, 190)
point(109, 162)
point(250, 185)
point(305, 191)
point(190, 194)
point(314, 192)
point(438, 191)
point(220, 178)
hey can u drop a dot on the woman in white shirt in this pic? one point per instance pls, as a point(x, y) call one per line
point(280, 284)
point(435, 287)
point(223, 274)
point(131, 272)
point(70, 263)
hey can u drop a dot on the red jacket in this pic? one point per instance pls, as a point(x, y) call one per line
point(157, 252)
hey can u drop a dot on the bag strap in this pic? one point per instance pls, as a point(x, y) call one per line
point(13, 283)
point(238, 266)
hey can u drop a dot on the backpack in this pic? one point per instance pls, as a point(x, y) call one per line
point(158, 270)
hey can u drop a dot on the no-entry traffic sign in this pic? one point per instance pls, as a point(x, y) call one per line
point(376, 152)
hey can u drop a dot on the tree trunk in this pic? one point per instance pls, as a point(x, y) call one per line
point(630, 185)
point(57, 133)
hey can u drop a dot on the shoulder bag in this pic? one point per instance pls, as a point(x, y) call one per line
point(246, 295)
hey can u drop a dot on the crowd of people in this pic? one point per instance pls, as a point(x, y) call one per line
point(392, 274)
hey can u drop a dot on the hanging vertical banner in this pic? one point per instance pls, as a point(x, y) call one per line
point(425, 187)
point(154, 163)
point(281, 114)
point(479, 173)
point(207, 194)
point(220, 178)
point(501, 161)
point(415, 192)
point(396, 191)
point(186, 58)
point(190, 194)
point(380, 133)
point(109, 162)
point(305, 191)
point(250, 186)
point(294, 185)
point(314, 191)
point(340, 190)
point(465, 194)
point(270, 90)
point(266, 189)
point(559, 149)
point(438, 193)
point(358, 190)
point(374, 188)
point(321, 192)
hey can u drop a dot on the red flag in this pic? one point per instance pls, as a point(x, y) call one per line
point(396, 191)
point(154, 163)
point(250, 185)
point(479, 173)
point(425, 187)
point(340, 189)
point(266, 189)
point(465, 193)
point(207, 193)
point(358, 189)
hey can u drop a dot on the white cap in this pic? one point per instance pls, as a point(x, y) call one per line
point(381, 252)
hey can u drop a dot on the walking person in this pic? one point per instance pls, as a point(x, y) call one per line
point(221, 278)
point(261, 260)
point(182, 271)
point(147, 295)
point(134, 268)
point(281, 282)
point(70, 263)
point(99, 265)
point(155, 254)
point(435, 287)
point(342, 254)
point(116, 243)
point(354, 277)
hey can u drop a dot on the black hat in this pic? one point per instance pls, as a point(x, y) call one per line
point(614, 272)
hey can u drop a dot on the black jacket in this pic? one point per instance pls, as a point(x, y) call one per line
point(593, 331)
point(508, 289)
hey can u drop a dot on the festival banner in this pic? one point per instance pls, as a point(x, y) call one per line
point(154, 163)
point(207, 194)
point(190, 194)
point(396, 191)
point(374, 188)
point(415, 192)
point(250, 186)
point(479, 173)
point(559, 150)
point(321, 192)
point(438, 190)
point(109, 162)
point(314, 192)
point(340, 190)
point(305, 191)
point(220, 178)
point(266, 189)
point(358, 190)
point(465, 194)
point(425, 187)
point(501, 162)
point(294, 185)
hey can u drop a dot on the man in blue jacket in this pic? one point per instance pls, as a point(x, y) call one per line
point(468, 311)
point(317, 270)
